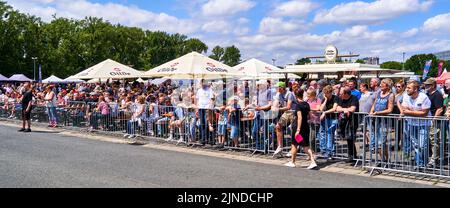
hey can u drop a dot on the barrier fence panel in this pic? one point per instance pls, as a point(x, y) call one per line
point(416, 146)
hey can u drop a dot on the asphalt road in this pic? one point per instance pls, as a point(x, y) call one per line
point(45, 159)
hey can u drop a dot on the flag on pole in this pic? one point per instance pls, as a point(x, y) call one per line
point(426, 69)
point(40, 73)
point(441, 64)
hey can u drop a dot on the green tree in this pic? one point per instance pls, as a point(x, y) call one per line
point(217, 53)
point(392, 65)
point(360, 61)
point(66, 46)
point(194, 44)
point(231, 56)
point(417, 63)
point(303, 61)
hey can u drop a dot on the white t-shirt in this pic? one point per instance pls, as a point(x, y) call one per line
point(263, 99)
point(422, 102)
point(204, 98)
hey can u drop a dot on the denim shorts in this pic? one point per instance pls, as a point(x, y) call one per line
point(234, 132)
point(222, 129)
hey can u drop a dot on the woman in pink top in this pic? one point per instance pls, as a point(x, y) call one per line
point(100, 112)
point(102, 106)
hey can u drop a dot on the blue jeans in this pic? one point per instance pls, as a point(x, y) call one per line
point(222, 129)
point(257, 124)
point(52, 117)
point(192, 128)
point(417, 137)
point(203, 125)
point(131, 127)
point(327, 129)
point(160, 123)
point(378, 133)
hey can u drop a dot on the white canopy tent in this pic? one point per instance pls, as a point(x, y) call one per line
point(255, 69)
point(20, 78)
point(3, 78)
point(53, 79)
point(191, 66)
point(73, 80)
point(108, 69)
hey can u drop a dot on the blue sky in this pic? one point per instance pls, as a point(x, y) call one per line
point(282, 29)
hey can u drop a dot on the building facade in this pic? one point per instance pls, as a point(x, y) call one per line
point(372, 60)
point(444, 55)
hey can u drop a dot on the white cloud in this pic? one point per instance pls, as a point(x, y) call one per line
point(238, 27)
point(294, 8)
point(226, 7)
point(115, 13)
point(360, 12)
point(216, 27)
point(270, 25)
point(410, 33)
point(438, 24)
point(424, 46)
point(357, 39)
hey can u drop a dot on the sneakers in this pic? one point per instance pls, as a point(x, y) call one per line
point(312, 166)
point(21, 130)
point(290, 164)
point(169, 139)
point(126, 135)
point(278, 151)
point(181, 140)
point(289, 154)
point(27, 130)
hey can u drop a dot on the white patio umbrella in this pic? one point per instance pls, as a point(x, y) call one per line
point(93, 81)
point(52, 79)
point(254, 69)
point(193, 65)
point(140, 80)
point(108, 69)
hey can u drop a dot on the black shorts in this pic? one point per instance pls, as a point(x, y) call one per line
point(26, 115)
point(304, 143)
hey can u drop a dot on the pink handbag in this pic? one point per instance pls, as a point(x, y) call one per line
point(299, 138)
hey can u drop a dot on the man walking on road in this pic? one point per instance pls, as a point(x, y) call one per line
point(27, 99)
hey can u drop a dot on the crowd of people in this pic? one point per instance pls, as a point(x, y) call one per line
point(311, 112)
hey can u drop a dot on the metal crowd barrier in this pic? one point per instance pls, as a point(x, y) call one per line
point(417, 146)
point(379, 143)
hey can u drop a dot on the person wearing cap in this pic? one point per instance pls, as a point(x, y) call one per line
point(437, 109)
point(263, 103)
point(285, 100)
